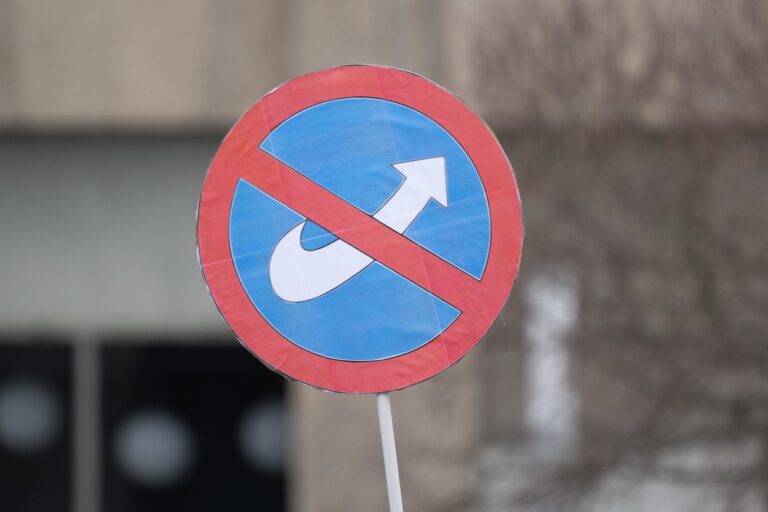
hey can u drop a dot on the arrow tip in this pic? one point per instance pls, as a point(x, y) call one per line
point(428, 175)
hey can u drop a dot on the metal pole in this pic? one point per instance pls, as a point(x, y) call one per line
point(390, 455)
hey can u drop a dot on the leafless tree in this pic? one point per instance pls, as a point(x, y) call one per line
point(641, 135)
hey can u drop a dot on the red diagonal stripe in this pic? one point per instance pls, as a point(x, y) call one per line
point(362, 231)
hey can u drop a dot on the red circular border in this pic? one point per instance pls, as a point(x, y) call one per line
point(213, 229)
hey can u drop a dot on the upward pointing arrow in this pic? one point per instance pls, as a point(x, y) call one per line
point(424, 180)
point(298, 274)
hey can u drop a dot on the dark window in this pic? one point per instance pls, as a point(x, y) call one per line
point(35, 431)
point(197, 428)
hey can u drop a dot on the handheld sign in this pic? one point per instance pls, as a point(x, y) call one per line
point(359, 229)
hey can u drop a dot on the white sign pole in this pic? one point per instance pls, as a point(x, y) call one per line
point(390, 455)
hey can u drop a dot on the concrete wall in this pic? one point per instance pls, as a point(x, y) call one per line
point(98, 235)
point(185, 64)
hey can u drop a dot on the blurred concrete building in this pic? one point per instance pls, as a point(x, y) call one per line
point(638, 133)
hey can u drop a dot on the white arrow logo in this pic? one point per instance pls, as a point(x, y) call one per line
point(298, 274)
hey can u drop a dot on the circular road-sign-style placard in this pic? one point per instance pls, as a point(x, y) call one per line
point(360, 229)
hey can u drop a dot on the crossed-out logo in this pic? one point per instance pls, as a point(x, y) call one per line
point(360, 229)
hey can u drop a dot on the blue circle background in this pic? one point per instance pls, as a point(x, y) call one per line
point(348, 146)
